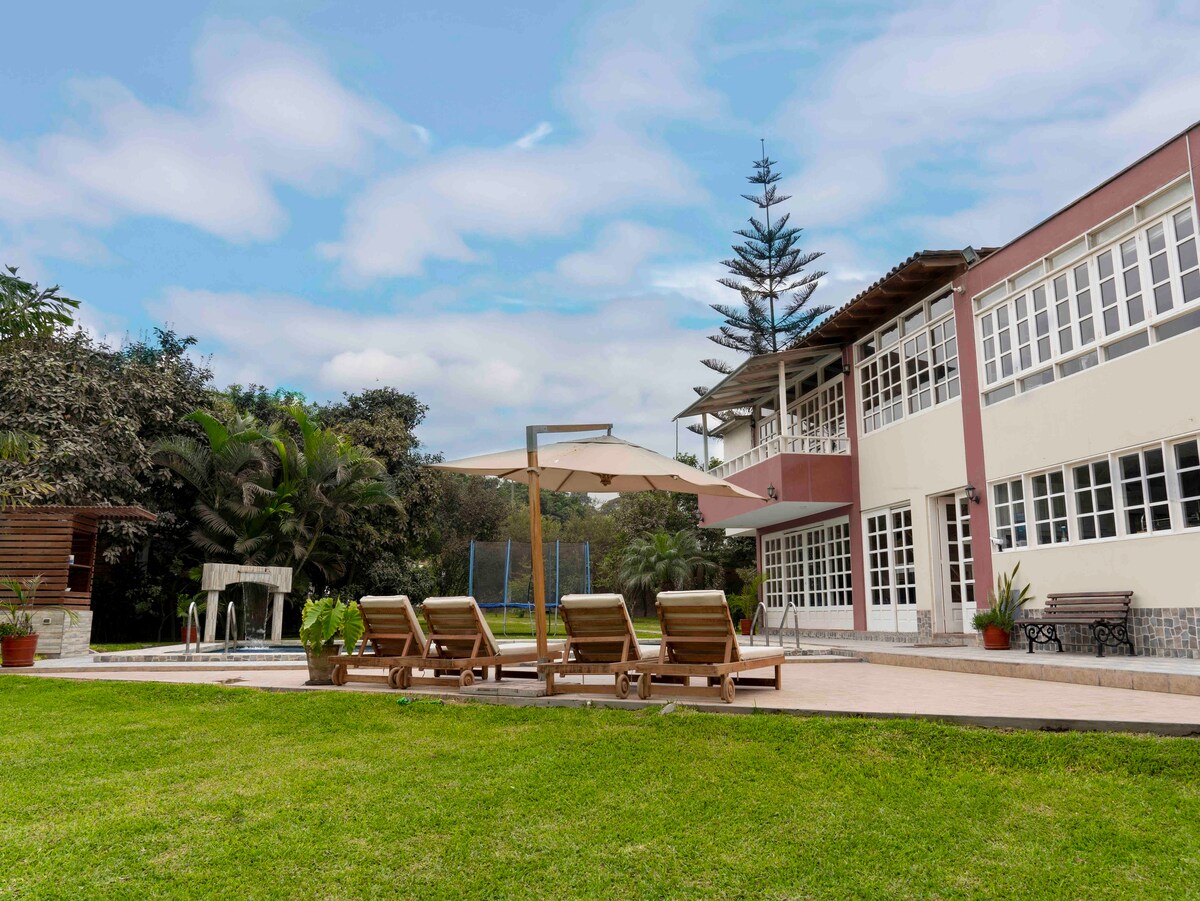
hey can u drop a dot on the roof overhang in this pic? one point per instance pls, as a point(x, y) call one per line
point(914, 279)
point(750, 381)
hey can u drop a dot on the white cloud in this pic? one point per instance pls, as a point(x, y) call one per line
point(617, 256)
point(485, 375)
point(266, 111)
point(534, 136)
point(638, 70)
point(1020, 106)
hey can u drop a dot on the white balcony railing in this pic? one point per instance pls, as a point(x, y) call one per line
point(787, 444)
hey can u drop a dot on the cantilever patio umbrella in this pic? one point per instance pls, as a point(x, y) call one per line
point(601, 464)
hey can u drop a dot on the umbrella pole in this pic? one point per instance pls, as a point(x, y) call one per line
point(535, 547)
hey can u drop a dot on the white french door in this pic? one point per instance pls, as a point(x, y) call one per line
point(956, 586)
point(891, 570)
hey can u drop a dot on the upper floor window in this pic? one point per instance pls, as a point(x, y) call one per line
point(1094, 310)
point(910, 364)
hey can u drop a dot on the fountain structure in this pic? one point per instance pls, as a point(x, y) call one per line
point(263, 590)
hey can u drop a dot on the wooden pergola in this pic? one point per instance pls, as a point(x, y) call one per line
point(59, 545)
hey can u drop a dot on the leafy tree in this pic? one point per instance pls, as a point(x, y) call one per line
point(29, 311)
point(768, 272)
point(662, 561)
point(20, 489)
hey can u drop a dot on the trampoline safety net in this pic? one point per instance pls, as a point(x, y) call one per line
point(501, 573)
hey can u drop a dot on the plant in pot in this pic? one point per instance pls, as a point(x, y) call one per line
point(322, 621)
point(183, 603)
point(742, 604)
point(1004, 605)
point(18, 638)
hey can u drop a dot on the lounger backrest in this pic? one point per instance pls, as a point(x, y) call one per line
point(695, 616)
point(599, 616)
point(388, 622)
point(448, 617)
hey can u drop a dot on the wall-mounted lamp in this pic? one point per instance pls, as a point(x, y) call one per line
point(972, 494)
point(845, 369)
point(700, 517)
point(771, 491)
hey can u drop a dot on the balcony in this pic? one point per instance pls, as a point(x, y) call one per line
point(804, 483)
point(787, 444)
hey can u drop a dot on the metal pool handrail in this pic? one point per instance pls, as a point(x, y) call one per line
point(230, 625)
point(791, 605)
point(193, 616)
point(761, 609)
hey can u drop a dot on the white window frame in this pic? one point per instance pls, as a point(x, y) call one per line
point(889, 377)
point(1079, 336)
point(1176, 502)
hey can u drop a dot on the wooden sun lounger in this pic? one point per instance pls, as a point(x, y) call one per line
point(394, 634)
point(601, 641)
point(698, 640)
point(460, 642)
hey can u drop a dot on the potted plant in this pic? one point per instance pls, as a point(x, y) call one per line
point(742, 604)
point(321, 622)
point(1004, 605)
point(18, 638)
point(182, 604)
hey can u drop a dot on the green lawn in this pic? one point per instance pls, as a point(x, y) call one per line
point(519, 626)
point(146, 791)
point(109, 647)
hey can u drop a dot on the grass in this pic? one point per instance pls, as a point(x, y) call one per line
point(109, 647)
point(521, 626)
point(121, 790)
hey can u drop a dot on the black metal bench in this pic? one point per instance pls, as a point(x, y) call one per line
point(1105, 613)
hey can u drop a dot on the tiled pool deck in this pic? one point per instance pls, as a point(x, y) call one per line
point(914, 682)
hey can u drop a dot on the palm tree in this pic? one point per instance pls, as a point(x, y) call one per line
point(661, 561)
point(221, 467)
point(322, 480)
point(268, 497)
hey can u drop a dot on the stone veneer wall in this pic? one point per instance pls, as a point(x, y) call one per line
point(1155, 632)
point(59, 637)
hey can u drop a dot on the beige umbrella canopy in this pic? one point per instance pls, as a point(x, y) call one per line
point(600, 464)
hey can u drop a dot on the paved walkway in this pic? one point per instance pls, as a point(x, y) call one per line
point(811, 686)
point(1176, 675)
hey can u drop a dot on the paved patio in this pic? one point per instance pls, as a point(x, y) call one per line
point(812, 686)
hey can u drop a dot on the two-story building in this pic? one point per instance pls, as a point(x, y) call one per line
point(973, 409)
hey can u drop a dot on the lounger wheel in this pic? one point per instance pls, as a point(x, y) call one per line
point(399, 677)
point(622, 689)
point(338, 674)
point(728, 689)
point(644, 686)
point(465, 678)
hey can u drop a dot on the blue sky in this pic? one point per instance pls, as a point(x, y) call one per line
point(517, 210)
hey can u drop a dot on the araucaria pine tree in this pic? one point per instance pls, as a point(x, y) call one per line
point(769, 272)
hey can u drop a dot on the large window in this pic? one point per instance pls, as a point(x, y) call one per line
point(1187, 468)
point(909, 365)
point(1094, 510)
point(1009, 504)
point(1049, 494)
point(1142, 271)
point(820, 420)
point(811, 567)
point(1140, 491)
point(890, 557)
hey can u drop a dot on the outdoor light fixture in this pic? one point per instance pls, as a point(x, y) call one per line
point(972, 494)
point(845, 369)
point(771, 491)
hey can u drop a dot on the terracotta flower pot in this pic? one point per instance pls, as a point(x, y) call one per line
point(184, 636)
point(320, 665)
point(996, 639)
point(18, 651)
point(745, 625)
